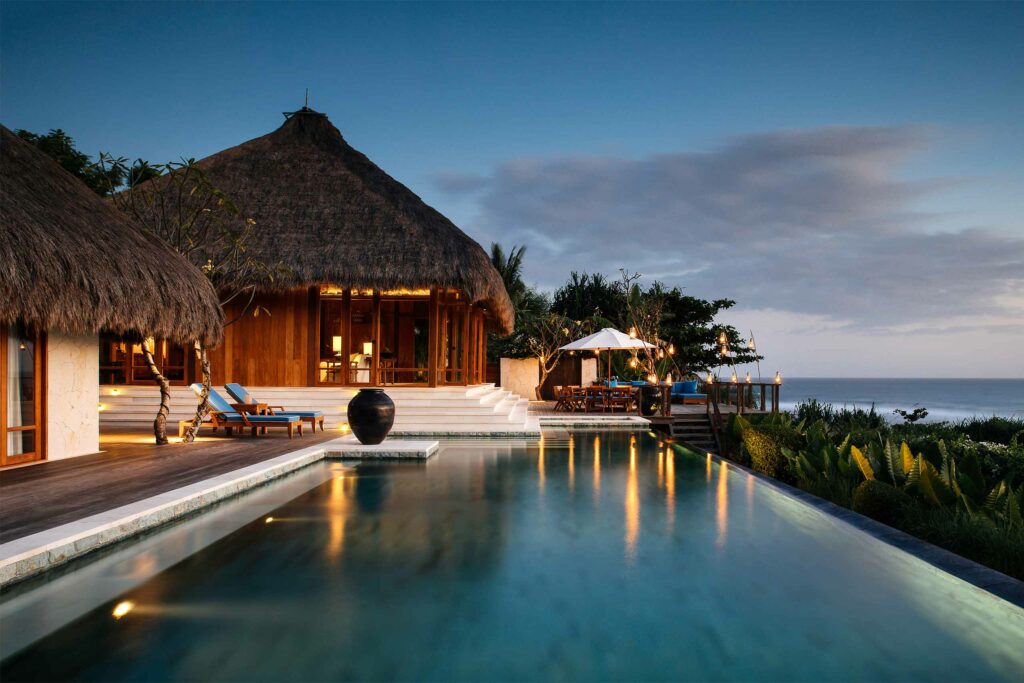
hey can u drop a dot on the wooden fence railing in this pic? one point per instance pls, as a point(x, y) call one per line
point(744, 396)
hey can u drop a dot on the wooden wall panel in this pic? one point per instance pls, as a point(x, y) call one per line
point(269, 349)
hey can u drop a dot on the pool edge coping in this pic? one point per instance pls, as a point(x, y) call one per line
point(974, 573)
point(29, 556)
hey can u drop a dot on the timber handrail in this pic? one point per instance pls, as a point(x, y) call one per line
point(745, 396)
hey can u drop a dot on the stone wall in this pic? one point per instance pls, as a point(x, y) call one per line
point(588, 371)
point(72, 395)
point(521, 376)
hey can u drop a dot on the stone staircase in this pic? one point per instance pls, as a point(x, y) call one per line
point(479, 410)
point(694, 430)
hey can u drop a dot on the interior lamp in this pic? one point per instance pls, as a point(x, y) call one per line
point(336, 344)
point(367, 348)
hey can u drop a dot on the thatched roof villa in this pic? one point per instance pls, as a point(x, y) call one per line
point(73, 266)
point(375, 288)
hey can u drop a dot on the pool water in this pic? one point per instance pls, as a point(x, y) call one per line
point(586, 556)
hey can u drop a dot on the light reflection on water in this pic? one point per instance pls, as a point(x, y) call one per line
point(483, 565)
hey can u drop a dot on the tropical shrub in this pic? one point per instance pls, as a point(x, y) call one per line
point(880, 501)
point(765, 452)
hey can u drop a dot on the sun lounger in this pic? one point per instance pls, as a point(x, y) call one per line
point(242, 395)
point(226, 415)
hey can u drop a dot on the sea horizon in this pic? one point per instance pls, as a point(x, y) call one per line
point(945, 398)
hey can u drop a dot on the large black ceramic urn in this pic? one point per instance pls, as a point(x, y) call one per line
point(370, 415)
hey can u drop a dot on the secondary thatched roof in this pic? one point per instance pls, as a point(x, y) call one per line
point(71, 262)
point(331, 216)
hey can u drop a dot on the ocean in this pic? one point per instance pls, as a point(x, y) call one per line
point(945, 399)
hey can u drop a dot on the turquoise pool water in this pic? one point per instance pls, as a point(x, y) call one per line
point(584, 557)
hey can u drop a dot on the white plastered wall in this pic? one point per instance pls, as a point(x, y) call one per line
point(72, 395)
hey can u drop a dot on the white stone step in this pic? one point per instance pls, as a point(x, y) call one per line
point(480, 409)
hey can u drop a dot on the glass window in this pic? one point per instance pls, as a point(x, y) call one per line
point(362, 350)
point(330, 365)
point(20, 395)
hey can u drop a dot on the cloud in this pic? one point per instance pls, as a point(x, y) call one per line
point(815, 221)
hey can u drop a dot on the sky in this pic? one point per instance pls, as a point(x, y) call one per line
point(851, 174)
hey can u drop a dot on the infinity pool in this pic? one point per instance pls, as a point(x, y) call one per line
point(583, 557)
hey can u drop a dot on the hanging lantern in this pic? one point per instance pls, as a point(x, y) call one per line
point(711, 378)
point(751, 345)
point(661, 354)
point(722, 339)
point(778, 377)
point(733, 379)
point(671, 349)
point(748, 378)
point(632, 362)
point(652, 378)
point(632, 333)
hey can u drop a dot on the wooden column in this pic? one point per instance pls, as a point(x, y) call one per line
point(432, 324)
point(375, 338)
point(313, 338)
point(346, 336)
point(471, 344)
point(466, 310)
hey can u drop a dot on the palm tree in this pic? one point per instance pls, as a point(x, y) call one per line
point(511, 269)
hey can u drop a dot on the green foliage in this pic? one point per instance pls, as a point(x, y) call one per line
point(936, 483)
point(590, 296)
point(60, 147)
point(880, 501)
point(765, 443)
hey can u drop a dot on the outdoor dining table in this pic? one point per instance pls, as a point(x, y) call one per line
point(599, 391)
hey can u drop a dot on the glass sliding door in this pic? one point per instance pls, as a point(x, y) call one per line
point(403, 343)
point(21, 395)
point(362, 349)
point(331, 364)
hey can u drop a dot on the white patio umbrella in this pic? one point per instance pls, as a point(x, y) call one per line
point(607, 339)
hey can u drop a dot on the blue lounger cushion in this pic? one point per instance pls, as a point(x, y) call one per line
point(242, 395)
point(238, 392)
point(219, 404)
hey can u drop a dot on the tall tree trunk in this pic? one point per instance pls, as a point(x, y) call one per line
point(160, 423)
point(204, 398)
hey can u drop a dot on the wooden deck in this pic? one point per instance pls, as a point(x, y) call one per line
point(130, 468)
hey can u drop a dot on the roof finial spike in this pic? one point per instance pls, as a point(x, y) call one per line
point(306, 105)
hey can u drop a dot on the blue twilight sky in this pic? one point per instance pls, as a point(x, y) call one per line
point(851, 173)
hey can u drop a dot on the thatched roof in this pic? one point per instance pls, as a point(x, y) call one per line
point(71, 262)
point(329, 215)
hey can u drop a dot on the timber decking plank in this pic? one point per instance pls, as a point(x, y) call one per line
point(45, 495)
